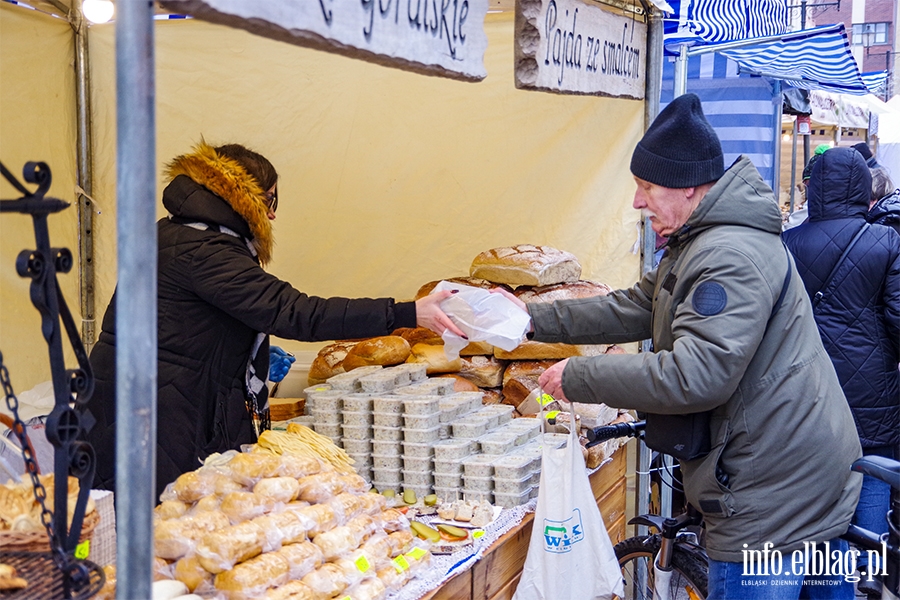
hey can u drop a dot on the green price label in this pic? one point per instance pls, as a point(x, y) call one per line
point(83, 550)
point(552, 414)
point(416, 553)
point(400, 563)
point(545, 399)
point(478, 533)
point(362, 563)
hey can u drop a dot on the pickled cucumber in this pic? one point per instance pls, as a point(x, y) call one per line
point(388, 493)
point(450, 530)
point(425, 532)
point(431, 500)
point(409, 496)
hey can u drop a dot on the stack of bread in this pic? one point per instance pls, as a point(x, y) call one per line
point(264, 525)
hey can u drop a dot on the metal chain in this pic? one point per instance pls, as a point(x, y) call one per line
point(40, 492)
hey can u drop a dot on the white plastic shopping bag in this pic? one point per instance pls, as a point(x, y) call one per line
point(483, 317)
point(570, 556)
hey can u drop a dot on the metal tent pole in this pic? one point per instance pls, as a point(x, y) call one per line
point(85, 175)
point(136, 337)
point(777, 108)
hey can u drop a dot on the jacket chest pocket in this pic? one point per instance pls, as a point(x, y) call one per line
point(664, 304)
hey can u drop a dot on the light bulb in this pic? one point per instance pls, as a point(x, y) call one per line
point(98, 11)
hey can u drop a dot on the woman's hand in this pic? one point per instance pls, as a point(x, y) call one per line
point(551, 380)
point(430, 315)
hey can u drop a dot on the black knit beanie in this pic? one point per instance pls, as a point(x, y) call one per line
point(680, 149)
point(863, 148)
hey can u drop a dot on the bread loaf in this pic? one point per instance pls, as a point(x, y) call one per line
point(525, 264)
point(434, 359)
point(460, 383)
point(469, 281)
point(328, 362)
point(521, 377)
point(418, 335)
point(561, 291)
point(385, 351)
point(531, 350)
point(483, 371)
point(491, 395)
point(250, 579)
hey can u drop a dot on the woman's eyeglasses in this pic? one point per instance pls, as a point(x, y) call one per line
point(272, 200)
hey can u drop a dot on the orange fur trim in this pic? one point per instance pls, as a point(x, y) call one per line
point(227, 179)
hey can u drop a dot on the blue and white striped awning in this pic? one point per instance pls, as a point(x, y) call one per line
point(812, 59)
point(876, 81)
point(712, 21)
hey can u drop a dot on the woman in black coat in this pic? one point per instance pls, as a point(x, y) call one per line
point(216, 309)
point(859, 311)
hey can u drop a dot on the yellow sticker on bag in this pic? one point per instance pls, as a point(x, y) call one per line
point(545, 399)
point(83, 550)
point(552, 414)
point(416, 553)
point(400, 563)
point(478, 533)
point(362, 563)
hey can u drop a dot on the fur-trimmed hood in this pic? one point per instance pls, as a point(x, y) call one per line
point(227, 179)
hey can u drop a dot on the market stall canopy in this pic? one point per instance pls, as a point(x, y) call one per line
point(812, 59)
point(712, 21)
point(876, 81)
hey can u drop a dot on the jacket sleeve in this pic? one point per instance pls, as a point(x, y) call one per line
point(225, 276)
point(620, 317)
point(711, 350)
point(892, 296)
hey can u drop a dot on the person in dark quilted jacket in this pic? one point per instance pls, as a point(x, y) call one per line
point(886, 211)
point(858, 309)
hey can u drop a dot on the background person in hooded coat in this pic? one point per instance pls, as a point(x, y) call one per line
point(859, 314)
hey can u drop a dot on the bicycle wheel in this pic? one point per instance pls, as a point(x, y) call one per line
point(689, 577)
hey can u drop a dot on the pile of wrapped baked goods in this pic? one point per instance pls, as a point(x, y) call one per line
point(298, 525)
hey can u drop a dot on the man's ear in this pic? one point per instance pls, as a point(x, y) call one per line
point(689, 192)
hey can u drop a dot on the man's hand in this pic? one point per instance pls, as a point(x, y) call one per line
point(279, 363)
point(430, 315)
point(551, 380)
point(515, 301)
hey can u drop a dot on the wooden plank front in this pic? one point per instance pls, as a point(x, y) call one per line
point(460, 586)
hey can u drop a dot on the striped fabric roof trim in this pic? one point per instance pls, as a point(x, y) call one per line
point(875, 81)
point(813, 59)
point(714, 21)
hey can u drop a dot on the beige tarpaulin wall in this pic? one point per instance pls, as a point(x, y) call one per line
point(388, 179)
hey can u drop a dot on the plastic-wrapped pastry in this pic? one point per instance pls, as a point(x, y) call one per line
point(191, 573)
point(243, 506)
point(393, 520)
point(401, 541)
point(378, 548)
point(176, 537)
point(347, 505)
point(208, 503)
point(362, 527)
point(393, 578)
point(336, 542)
point(162, 569)
point(281, 528)
point(368, 589)
point(292, 590)
point(277, 489)
point(220, 550)
point(372, 504)
point(321, 486)
point(354, 483)
point(225, 485)
point(252, 578)
point(108, 591)
point(303, 558)
point(249, 467)
point(327, 581)
point(193, 485)
point(317, 518)
point(417, 558)
point(170, 509)
point(296, 466)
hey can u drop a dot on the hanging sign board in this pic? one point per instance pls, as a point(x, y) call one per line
point(570, 47)
point(434, 37)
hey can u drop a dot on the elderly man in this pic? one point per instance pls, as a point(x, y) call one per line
point(736, 356)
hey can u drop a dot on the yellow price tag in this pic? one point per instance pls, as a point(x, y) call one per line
point(362, 563)
point(478, 533)
point(83, 550)
point(552, 414)
point(400, 563)
point(545, 399)
point(416, 553)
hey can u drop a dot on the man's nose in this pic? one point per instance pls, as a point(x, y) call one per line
point(638, 202)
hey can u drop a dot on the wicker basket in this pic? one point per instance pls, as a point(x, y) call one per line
point(36, 541)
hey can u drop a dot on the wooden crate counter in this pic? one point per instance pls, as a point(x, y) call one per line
point(496, 575)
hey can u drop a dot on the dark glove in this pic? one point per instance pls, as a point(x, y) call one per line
point(279, 363)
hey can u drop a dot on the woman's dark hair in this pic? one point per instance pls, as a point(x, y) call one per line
point(257, 165)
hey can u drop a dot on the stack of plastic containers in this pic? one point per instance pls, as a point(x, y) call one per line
point(421, 430)
point(356, 429)
point(448, 466)
point(326, 412)
point(387, 434)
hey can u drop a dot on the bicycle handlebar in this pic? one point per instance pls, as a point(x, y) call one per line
point(609, 432)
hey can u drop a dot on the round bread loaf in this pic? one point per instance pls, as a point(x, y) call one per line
point(483, 371)
point(434, 358)
point(418, 335)
point(562, 291)
point(526, 264)
point(460, 384)
point(328, 362)
point(469, 281)
point(385, 351)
